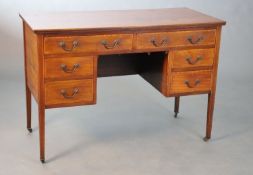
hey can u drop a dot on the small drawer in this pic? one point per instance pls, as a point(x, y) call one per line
point(72, 67)
point(114, 43)
point(192, 58)
point(70, 92)
point(164, 40)
point(192, 81)
point(158, 41)
point(193, 38)
point(88, 44)
point(69, 44)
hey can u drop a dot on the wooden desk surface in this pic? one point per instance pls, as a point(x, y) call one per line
point(118, 19)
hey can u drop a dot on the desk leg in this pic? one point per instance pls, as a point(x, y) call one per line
point(42, 132)
point(27, 90)
point(176, 106)
point(28, 109)
point(209, 121)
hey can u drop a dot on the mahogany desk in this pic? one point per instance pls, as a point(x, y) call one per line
point(175, 50)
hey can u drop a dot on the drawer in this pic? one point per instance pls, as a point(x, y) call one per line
point(192, 58)
point(191, 81)
point(70, 92)
point(114, 43)
point(69, 67)
point(88, 44)
point(164, 40)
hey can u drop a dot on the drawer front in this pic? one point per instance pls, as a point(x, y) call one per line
point(192, 81)
point(164, 40)
point(153, 40)
point(88, 44)
point(69, 92)
point(114, 43)
point(192, 58)
point(69, 67)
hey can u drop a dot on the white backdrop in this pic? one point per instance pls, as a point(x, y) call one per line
point(140, 135)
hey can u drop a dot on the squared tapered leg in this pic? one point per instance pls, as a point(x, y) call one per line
point(42, 132)
point(28, 109)
point(176, 106)
point(209, 120)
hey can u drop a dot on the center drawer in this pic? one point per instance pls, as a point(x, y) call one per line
point(88, 44)
point(68, 93)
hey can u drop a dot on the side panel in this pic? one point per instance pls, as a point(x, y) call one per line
point(32, 60)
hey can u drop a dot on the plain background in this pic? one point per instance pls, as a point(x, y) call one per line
point(120, 143)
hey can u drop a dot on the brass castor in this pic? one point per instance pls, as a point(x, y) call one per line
point(30, 130)
point(206, 139)
point(175, 115)
point(42, 161)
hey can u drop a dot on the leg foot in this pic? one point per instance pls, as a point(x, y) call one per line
point(28, 109)
point(42, 161)
point(30, 130)
point(206, 139)
point(176, 107)
point(209, 120)
point(42, 132)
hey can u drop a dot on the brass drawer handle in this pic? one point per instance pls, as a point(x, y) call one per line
point(162, 43)
point(191, 40)
point(65, 95)
point(189, 85)
point(62, 44)
point(190, 61)
point(114, 44)
point(64, 67)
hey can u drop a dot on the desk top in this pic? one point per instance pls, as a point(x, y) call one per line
point(118, 19)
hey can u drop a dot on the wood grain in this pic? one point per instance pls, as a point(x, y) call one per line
point(175, 39)
point(41, 96)
point(178, 81)
point(27, 89)
point(55, 71)
point(53, 90)
point(193, 58)
point(32, 60)
point(118, 20)
point(88, 44)
point(211, 95)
